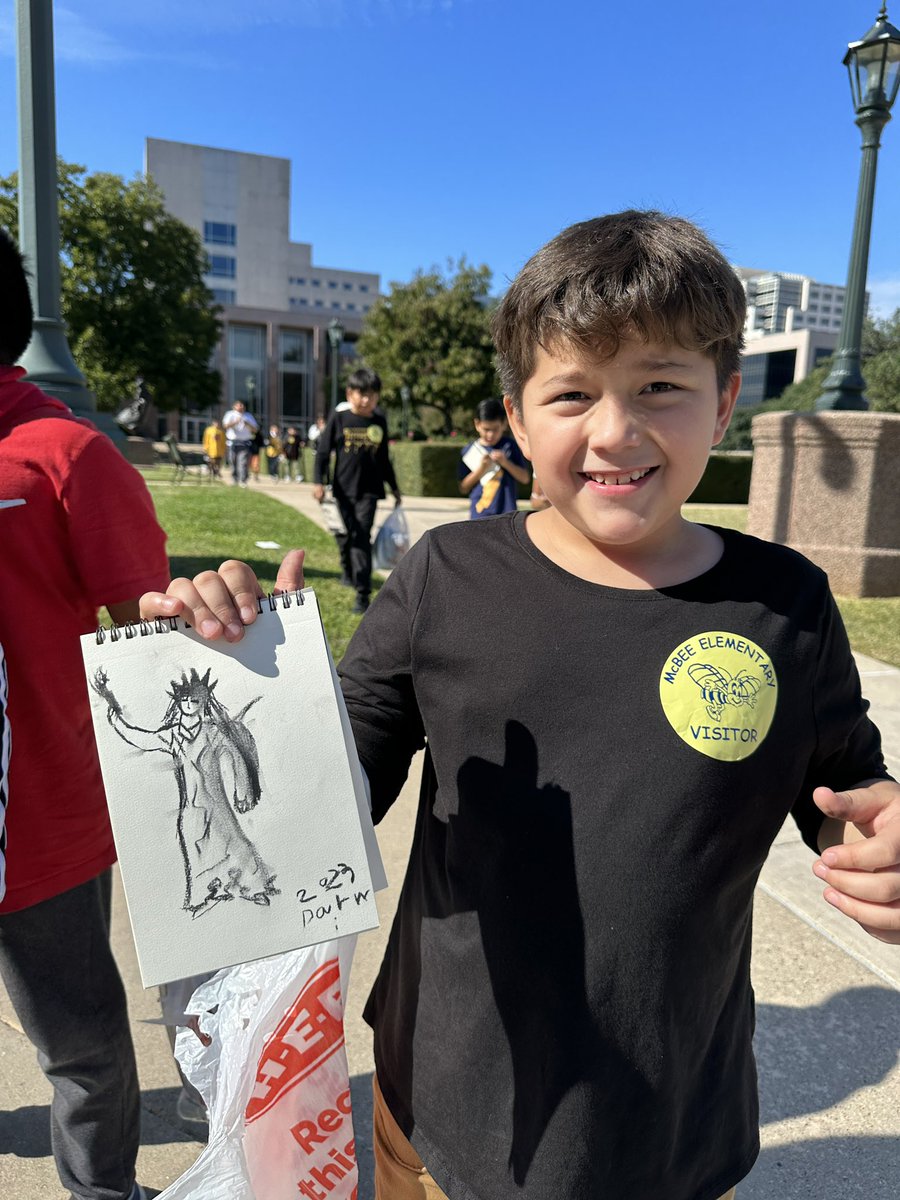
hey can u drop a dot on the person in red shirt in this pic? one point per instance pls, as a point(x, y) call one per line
point(78, 532)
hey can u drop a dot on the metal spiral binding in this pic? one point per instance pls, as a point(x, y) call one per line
point(272, 598)
point(143, 628)
point(131, 629)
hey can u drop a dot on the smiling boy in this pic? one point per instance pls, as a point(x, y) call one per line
point(565, 1007)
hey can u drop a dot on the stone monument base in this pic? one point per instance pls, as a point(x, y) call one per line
point(828, 484)
point(139, 451)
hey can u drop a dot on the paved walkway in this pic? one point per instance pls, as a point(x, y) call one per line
point(828, 1006)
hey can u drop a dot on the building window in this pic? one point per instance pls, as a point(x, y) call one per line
point(348, 287)
point(836, 322)
point(332, 283)
point(223, 266)
point(223, 295)
point(363, 287)
point(366, 307)
point(247, 365)
point(295, 347)
point(335, 304)
point(316, 282)
point(320, 304)
point(217, 233)
point(296, 377)
point(813, 308)
point(351, 308)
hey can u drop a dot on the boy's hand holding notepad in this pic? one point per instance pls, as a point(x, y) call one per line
point(236, 796)
point(475, 456)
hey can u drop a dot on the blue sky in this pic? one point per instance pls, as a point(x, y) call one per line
point(422, 130)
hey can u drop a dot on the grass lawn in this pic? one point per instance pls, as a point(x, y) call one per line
point(211, 523)
point(208, 523)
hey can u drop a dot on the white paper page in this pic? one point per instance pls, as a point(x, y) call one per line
point(473, 459)
point(223, 862)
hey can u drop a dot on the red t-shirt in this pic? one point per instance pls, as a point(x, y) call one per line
point(77, 531)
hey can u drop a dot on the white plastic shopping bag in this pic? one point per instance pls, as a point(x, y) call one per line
point(391, 542)
point(274, 1079)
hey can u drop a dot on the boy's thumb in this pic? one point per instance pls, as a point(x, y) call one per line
point(290, 573)
point(854, 805)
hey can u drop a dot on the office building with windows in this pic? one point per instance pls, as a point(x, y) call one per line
point(274, 353)
point(792, 324)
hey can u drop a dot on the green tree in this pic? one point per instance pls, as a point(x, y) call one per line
point(432, 336)
point(133, 296)
point(881, 365)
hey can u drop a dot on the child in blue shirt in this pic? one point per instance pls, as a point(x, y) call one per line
point(492, 482)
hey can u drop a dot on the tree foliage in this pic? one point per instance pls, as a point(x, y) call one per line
point(431, 335)
point(133, 296)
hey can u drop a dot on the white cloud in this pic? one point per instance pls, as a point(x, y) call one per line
point(76, 40)
point(105, 32)
point(884, 296)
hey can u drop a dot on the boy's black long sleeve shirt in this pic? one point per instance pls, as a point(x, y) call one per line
point(362, 463)
point(565, 1007)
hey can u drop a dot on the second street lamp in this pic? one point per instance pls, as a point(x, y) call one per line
point(335, 339)
point(874, 66)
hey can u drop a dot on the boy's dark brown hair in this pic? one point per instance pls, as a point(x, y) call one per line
point(630, 274)
point(15, 302)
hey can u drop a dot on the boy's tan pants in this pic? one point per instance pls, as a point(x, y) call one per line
point(399, 1172)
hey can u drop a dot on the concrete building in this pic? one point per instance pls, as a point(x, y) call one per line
point(773, 361)
point(792, 323)
point(274, 353)
point(778, 302)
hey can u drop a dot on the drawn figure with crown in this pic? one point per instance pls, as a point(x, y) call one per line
point(217, 769)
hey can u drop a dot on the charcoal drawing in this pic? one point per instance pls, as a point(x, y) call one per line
point(216, 767)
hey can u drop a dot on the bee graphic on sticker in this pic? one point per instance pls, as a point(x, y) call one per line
point(719, 688)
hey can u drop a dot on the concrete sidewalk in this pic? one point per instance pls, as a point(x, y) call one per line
point(828, 1007)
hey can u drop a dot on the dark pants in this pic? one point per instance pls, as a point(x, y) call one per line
point(58, 968)
point(240, 459)
point(356, 544)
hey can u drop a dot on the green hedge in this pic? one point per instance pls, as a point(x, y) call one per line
point(726, 480)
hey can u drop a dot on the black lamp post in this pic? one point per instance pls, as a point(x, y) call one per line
point(874, 67)
point(335, 340)
point(47, 360)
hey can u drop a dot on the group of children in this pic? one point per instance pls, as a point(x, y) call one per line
point(281, 452)
point(618, 709)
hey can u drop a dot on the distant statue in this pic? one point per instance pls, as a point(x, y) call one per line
point(130, 418)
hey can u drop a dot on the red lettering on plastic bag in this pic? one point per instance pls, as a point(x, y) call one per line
point(311, 1031)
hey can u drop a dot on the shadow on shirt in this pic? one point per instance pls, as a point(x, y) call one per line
point(532, 930)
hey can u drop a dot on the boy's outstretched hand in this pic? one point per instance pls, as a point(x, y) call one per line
point(862, 868)
point(218, 604)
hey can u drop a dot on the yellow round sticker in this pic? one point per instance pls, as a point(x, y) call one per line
point(375, 434)
point(719, 691)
